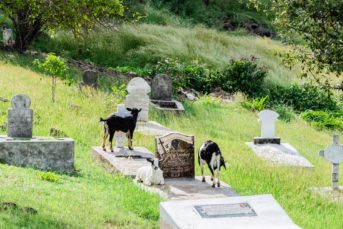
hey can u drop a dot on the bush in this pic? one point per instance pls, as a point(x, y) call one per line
point(245, 76)
point(285, 113)
point(302, 97)
point(256, 104)
point(49, 176)
point(322, 119)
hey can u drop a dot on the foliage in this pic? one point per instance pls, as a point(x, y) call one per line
point(55, 67)
point(319, 23)
point(239, 75)
point(49, 176)
point(302, 97)
point(256, 104)
point(119, 91)
point(243, 75)
point(322, 119)
point(29, 17)
point(285, 113)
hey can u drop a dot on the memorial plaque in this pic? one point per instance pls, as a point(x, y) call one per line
point(176, 154)
point(225, 210)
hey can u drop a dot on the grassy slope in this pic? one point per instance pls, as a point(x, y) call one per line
point(97, 198)
point(142, 44)
point(93, 198)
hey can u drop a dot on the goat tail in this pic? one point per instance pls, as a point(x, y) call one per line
point(102, 120)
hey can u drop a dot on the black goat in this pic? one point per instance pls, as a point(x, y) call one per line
point(115, 123)
point(210, 153)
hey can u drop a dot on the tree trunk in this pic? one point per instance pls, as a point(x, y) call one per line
point(26, 30)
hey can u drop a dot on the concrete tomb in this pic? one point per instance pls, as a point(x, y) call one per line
point(176, 154)
point(21, 149)
point(261, 211)
point(138, 97)
point(161, 94)
point(268, 119)
point(270, 148)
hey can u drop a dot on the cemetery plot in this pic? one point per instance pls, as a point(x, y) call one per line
point(19, 148)
point(261, 211)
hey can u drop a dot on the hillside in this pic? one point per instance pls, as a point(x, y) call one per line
point(95, 197)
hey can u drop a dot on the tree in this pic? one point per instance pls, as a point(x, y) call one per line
point(319, 23)
point(29, 17)
point(55, 67)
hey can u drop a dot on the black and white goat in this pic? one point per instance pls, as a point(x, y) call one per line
point(115, 123)
point(210, 153)
point(150, 174)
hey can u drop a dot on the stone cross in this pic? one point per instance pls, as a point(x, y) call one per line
point(121, 136)
point(268, 119)
point(8, 37)
point(20, 117)
point(334, 154)
point(138, 97)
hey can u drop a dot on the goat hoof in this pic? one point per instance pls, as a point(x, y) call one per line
point(213, 186)
point(112, 150)
point(203, 179)
point(218, 185)
point(104, 149)
point(130, 148)
point(211, 178)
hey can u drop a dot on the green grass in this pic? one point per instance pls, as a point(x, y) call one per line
point(96, 198)
point(145, 44)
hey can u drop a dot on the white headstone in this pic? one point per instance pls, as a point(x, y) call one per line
point(138, 97)
point(268, 119)
point(8, 37)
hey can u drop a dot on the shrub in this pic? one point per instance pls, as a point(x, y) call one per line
point(322, 119)
point(285, 113)
point(245, 76)
point(256, 104)
point(49, 176)
point(302, 97)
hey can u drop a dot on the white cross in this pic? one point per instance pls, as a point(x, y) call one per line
point(334, 154)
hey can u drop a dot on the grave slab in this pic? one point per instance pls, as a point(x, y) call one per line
point(45, 153)
point(261, 211)
point(283, 154)
point(153, 128)
point(120, 161)
point(189, 188)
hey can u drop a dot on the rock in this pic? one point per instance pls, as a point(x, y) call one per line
point(253, 27)
point(225, 97)
point(190, 95)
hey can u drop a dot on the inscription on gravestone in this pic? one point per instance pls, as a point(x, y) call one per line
point(176, 154)
point(225, 210)
point(20, 117)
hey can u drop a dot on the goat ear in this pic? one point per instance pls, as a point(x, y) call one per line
point(140, 110)
point(129, 109)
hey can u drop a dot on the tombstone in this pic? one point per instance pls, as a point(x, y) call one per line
point(138, 97)
point(90, 78)
point(334, 154)
point(8, 39)
point(121, 136)
point(20, 117)
point(161, 88)
point(268, 119)
point(161, 94)
point(19, 148)
point(176, 154)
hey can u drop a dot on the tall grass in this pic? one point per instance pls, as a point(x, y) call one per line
point(144, 44)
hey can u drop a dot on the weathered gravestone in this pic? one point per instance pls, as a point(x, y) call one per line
point(268, 119)
point(90, 78)
point(161, 94)
point(20, 117)
point(161, 88)
point(176, 154)
point(19, 148)
point(334, 154)
point(138, 97)
point(8, 39)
